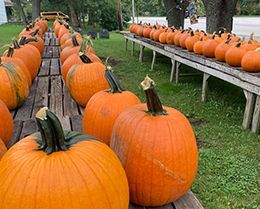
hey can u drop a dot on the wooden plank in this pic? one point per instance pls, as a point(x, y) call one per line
point(25, 111)
point(47, 41)
point(18, 125)
point(55, 68)
point(56, 96)
point(56, 52)
point(65, 122)
point(49, 52)
point(29, 127)
point(41, 98)
point(45, 67)
point(249, 110)
point(188, 201)
point(256, 117)
point(133, 206)
point(76, 123)
point(168, 206)
point(70, 106)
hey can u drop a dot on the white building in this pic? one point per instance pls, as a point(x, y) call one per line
point(3, 16)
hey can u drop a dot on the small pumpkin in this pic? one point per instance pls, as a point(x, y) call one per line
point(14, 88)
point(159, 140)
point(70, 42)
point(105, 106)
point(132, 28)
point(86, 79)
point(178, 36)
point(67, 36)
point(209, 47)
point(3, 149)
point(139, 30)
point(34, 41)
point(221, 50)
point(183, 39)
point(147, 31)
point(60, 166)
point(157, 33)
point(63, 30)
point(163, 36)
point(234, 55)
point(170, 36)
point(6, 124)
point(251, 61)
point(191, 40)
point(198, 46)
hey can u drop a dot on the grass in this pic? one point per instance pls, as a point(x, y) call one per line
point(228, 155)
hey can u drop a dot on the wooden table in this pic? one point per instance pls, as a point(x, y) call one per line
point(48, 89)
point(249, 82)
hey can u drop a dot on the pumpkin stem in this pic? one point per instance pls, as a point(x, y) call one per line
point(238, 44)
point(74, 40)
point(53, 139)
point(10, 52)
point(154, 104)
point(112, 81)
point(34, 33)
point(15, 44)
point(84, 58)
point(24, 41)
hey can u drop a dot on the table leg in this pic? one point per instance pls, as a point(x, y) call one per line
point(153, 61)
point(248, 114)
point(256, 117)
point(205, 87)
point(141, 56)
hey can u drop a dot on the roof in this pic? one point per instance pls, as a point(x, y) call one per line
point(8, 3)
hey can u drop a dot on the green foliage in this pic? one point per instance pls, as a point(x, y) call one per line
point(249, 7)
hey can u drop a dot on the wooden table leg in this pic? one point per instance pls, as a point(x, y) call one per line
point(173, 69)
point(126, 44)
point(205, 87)
point(141, 55)
point(248, 114)
point(177, 73)
point(256, 117)
point(133, 48)
point(153, 61)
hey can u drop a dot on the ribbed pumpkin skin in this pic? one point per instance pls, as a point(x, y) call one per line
point(70, 43)
point(39, 44)
point(84, 80)
point(75, 59)
point(88, 175)
point(234, 56)
point(14, 88)
point(6, 124)
point(159, 154)
point(251, 61)
point(103, 109)
point(198, 47)
point(3, 149)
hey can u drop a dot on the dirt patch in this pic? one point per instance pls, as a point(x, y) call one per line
point(196, 122)
point(112, 61)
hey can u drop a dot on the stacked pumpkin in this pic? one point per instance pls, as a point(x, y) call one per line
point(224, 46)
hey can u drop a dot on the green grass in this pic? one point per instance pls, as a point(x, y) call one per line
point(228, 156)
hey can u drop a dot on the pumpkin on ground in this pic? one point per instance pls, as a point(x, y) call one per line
point(105, 106)
point(157, 148)
point(86, 79)
point(65, 169)
point(14, 88)
point(6, 123)
point(3, 149)
point(251, 61)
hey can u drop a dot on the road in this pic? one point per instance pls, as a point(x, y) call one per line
point(242, 26)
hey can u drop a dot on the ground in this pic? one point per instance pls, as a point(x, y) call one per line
point(228, 155)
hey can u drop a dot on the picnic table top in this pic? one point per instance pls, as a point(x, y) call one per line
point(48, 89)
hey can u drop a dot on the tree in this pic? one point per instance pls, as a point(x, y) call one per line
point(21, 11)
point(219, 13)
point(73, 13)
point(36, 8)
point(119, 15)
point(175, 12)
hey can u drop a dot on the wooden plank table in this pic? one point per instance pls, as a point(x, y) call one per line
point(249, 82)
point(48, 89)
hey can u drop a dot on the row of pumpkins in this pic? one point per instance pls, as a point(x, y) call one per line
point(225, 47)
point(129, 150)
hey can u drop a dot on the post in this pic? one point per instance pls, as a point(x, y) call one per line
point(177, 73)
point(133, 10)
point(133, 48)
point(248, 114)
point(141, 56)
point(256, 117)
point(153, 61)
point(205, 87)
point(173, 69)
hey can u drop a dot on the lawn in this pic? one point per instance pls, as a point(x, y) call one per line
point(229, 161)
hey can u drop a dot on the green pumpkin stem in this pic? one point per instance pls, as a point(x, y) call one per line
point(15, 44)
point(113, 81)
point(52, 134)
point(154, 104)
point(34, 33)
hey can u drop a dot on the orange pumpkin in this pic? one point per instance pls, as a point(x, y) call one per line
point(3, 149)
point(86, 79)
point(63, 30)
point(57, 27)
point(163, 36)
point(157, 33)
point(183, 38)
point(147, 31)
point(191, 40)
point(6, 124)
point(70, 42)
point(251, 61)
point(35, 41)
point(132, 28)
point(221, 50)
point(159, 140)
point(14, 88)
point(177, 37)
point(60, 166)
point(209, 47)
point(249, 45)
point(198, 46)
point(234, 55)
point(139, 30)
point(104, 107)
point(67, 36)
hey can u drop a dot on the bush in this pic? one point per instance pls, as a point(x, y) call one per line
point(108, 17)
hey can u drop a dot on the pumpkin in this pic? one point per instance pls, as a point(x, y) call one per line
point(221, 50)
point(163, 36)
point(170, 36)
point(177, 37)
point(157, 33)
point(157, 148)
point(57, 27)
point(6, 124)
point(105, 106)
point(69, 42)
point(62, 170)
point(191, 40)
point(26, 31)
point(3, 149)
point(249, 45)
point(152, 32)
point(251, 61)
point(209, 47)
point(198, 46)
point(35, 41)
point(14, 87)
point(132, 28)
point(234, 55)
point(67, 36)
point(147, 31)
point(63, 30)
point(86, 79)
point(139, 30)
point(183, 38)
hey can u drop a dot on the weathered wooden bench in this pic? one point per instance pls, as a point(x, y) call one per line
point(249, 82)
point(48, 89)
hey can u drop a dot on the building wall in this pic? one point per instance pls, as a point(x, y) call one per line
point(3, 18)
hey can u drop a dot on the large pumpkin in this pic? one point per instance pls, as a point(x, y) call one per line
point(59, 169)
point(191, 40)
point(251, 61)
point(86, 79)
point(3, 149)
point(170, 36)
point(6, 123)
point(105, 106)
point(234, 55)
point(14, 88)
point(221, 50)
point(209, 47)
point(35, 41)
point(157, 148)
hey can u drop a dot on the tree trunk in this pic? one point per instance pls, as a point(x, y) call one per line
point(175, 12)
point(119, 15)
point(219, 13)
point(73, 14)
point(36, 8)
point(21, 11)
